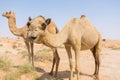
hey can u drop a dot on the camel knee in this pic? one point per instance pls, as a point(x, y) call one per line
point(77, 69)
point(71, 66)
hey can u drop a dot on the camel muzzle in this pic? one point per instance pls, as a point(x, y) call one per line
point(33, 38)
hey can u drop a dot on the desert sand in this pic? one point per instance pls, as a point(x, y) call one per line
point(15, 50)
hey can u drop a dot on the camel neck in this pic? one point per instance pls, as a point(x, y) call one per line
point(12, 25)
point(56, 40)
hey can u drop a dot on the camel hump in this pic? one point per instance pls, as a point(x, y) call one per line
point(82, 16)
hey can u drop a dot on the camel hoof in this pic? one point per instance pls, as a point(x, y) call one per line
point(96, 76)
point(55, 76)
point(51, 73)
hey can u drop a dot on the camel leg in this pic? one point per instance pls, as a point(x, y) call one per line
point(77, 68)
point(96, 52)
point(68, 49)
point(54, 61)
point(97, 62)
point(57, 62)
point(32, 52)
point(77, 48)
point(51, 72)
point(28, 48)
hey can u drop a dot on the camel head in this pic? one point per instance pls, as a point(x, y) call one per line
point(36, 27)
point(9, 14)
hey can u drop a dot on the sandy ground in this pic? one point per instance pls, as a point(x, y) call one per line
point(109, 68)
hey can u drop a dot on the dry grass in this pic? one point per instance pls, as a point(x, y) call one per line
point(26, 68)
point(1, 45)
point(10, 77)
point(23, 52)
point(14, 46)
point(114, 48)
point(43, 55)
point(5, 64)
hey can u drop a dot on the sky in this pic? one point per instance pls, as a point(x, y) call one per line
point(103, 14)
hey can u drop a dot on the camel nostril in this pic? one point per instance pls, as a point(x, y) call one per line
point(33, 38)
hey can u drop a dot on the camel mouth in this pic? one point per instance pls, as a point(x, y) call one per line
point(33, 38)
point(3, 14)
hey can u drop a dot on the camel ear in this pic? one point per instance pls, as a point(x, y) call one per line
point(29, 18)
point(28, 24)
point(44, 26)
point(48, 21)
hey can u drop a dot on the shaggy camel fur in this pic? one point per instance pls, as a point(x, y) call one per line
point(52, 28)
point(78, 34)
point(23, 32)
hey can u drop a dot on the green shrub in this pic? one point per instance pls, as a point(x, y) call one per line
point(10, 77)
point(4, 64)
point(26, 68)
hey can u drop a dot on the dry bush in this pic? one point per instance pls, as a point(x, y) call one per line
point(14, 46)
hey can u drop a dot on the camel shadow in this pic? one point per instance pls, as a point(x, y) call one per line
point(88, 75)
point(60, 76)
point(45, 76)
point(40, 70)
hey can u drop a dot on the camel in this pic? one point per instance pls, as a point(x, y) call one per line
point(78, 34)
point(52, 28)
point(23, 32)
